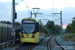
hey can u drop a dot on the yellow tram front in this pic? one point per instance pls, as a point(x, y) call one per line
point(29, 30)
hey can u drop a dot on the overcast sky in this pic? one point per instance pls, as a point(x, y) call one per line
point(47, 7)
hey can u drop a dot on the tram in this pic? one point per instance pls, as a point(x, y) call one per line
point(29, 30)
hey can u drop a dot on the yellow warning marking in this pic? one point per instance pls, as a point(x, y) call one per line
point(38, 33)
point(19, 32)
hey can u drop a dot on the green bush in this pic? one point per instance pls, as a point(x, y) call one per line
point(73, 39)
point(69, 37)
point(13, 45)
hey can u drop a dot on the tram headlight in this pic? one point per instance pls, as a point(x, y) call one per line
point(22, 36)
point(33, 36)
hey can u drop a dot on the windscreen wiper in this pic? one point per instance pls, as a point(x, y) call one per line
point(24, 32)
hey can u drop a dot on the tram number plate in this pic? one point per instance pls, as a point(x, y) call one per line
point(27, 38)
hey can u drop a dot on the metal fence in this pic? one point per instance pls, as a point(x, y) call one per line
point(5, 33)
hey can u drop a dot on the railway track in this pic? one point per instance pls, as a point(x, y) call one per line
point(55, 43)
point(34, 45)
point(49, 46)
point(39, 42)
point(25, 46)
point(29, 46)
point(59, 44)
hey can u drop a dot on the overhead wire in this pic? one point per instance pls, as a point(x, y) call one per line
point(53, 10)
point(53, 7)
point(35, 3)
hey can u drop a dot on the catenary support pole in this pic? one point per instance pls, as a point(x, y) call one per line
point(13, 25)
point(60, 20)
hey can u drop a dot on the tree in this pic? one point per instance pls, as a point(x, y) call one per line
point(17, 23)
point(50, 25)
point(46, 30)
point(57, 29)
point(3, 21)
point(73, 19)
point(6, 22)
point(73, 25)
point(69, 28)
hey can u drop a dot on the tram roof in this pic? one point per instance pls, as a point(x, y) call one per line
point(30, 19)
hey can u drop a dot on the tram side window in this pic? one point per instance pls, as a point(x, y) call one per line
point(37, 27)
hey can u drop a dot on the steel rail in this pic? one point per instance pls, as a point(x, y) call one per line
point(38, 43)
point(59, 44)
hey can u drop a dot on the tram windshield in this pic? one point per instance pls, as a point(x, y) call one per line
point(28, 27)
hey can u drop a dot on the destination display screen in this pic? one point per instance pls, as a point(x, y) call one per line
point(28, 21)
